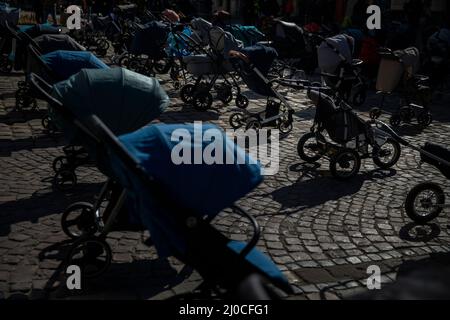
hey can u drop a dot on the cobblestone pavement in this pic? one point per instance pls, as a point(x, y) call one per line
point(321, 232)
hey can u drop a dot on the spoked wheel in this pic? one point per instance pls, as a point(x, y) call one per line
point(375, 113)
point(187, 93)
point(92, 255)
point(425, 202)
point(425, 119)
point(236, 120)
point(387, 155)
point(395, 120)
point(202, 101)
point(308, 148)
point(65, 180)
point(162, 66)
point(345, 164)
point(60, 163)
point(78, 220)
point(242, 101)
point(285, 126)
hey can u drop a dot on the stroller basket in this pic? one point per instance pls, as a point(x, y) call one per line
point(440, 160)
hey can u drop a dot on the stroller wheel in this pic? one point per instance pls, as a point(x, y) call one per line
point(425, 202)
point(375, 113)
point(285, 126)
point(395, 120)
point(65, 180)
point(5, 66)
point(60, 163)
point(308, 148)
point(162, 66)
point(202, 101)
point(78, 220)
point(406, 114)
point(242, 101)
point(425, 119)
point(187, 93)
point(92, 255)
point(253, 124)
point(236, 120)
point(387, 155)
point(345, 164)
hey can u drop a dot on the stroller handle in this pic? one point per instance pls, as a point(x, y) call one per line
point(43, 89)
point(256, 234)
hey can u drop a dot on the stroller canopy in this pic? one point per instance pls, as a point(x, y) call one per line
point(333, 51)
point(201, 188)
point(53, 42)
point(150, 38)
point(124, 100)
point(67, 63)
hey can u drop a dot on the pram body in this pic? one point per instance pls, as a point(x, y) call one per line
point(398, 71)
point(350, 139)
point(124, 100)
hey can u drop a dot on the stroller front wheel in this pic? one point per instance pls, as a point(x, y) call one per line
point(425, 202)
point(187, 93)
point(242, 101)
point(345, 164)
point(308, 148)
point(236, 120)
point(387, 155)
point(425, 119)
point(202, 101)
point(78, 220)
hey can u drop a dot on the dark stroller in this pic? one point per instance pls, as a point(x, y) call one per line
point(340, 71)
point(437, 59)
point(350, 138)
point(426, 201)
point(121, 98)
point(53, 67)
point(398, 72)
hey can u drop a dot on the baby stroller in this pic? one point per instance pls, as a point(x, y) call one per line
point(140, 98)
point(209, 67)
point(142, 164)
point(52, 67)
point(426, 201)
point(350, 138)
point(340, 71)
point(398, 70)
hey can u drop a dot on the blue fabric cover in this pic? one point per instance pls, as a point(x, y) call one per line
point(150, 38)
point(124, 100)
point(262, 58)
point(67, 63)
point(261, 262)
point(249, 35)
point(204, 189)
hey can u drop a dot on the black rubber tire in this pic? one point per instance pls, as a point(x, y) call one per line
point(242, 101)
point(411, 199)
point(186, 93)
point(87, 209)
point(375, 113)
point(398, 151)
point(236, 120)
point(301, 148)
point(339, 157)
point(425, 119)
point(202, 101)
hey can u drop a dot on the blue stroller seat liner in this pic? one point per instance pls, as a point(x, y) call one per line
point(203, 189)
point(67, 63)
point(150, 39)
point(177, 46)
point(124, 100)
point(262, 58)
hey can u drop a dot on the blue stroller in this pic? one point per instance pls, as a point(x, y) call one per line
point(132, 101)
point(165, 199)
point(53, 67)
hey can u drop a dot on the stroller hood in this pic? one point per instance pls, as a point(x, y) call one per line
point(205, 189)
point(335, 50)
point(150, 38)
point(67, 63)
point(53, 42)
point(124, 100)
